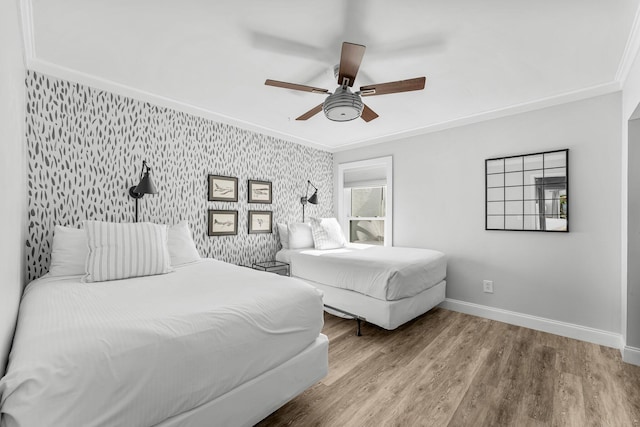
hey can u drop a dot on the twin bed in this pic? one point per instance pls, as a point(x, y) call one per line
point(208, 343)
point(386, 286)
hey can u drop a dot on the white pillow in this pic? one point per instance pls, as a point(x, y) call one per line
point(119, 251)
point(283, 231)
point(68, 252)
point(327, 233)
point(182, 248)
point(300, 235)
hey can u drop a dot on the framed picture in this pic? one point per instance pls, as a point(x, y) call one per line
point(260, 222)
point(223, 188)
point(259, 191)
point(223, 223)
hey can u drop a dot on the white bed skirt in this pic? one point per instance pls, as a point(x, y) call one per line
point(256, 399)
point(386, 314)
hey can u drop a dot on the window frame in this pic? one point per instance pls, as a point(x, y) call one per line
point(344, 209)
point(348, 202)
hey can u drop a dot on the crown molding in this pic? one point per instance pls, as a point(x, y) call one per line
point(631, 50)
point(28, 38)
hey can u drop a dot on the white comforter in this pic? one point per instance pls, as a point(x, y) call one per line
point(135, 352)
point(385, 273)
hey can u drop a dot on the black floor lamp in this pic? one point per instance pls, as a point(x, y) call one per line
point(313, 199)
point(145, 186)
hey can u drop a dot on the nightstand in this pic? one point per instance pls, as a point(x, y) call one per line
point(281, 268)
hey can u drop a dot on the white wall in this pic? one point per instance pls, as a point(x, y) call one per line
point(631, 223)
point(12, 172)
point(439, 201)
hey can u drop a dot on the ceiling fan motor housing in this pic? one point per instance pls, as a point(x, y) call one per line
point(343, 105)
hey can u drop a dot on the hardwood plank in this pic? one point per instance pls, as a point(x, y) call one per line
point(499, 340)
point(447, 368)
point(568, 406)
point(539, 394)
point(478, 402)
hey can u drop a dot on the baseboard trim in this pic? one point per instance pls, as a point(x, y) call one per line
point(570, 330)
point(631, 355)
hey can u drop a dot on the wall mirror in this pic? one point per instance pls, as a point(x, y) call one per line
point(528, 192)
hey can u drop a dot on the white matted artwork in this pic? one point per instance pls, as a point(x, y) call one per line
point(259, 191)
point(223, 223)
point(260, 222)
point(223, 188)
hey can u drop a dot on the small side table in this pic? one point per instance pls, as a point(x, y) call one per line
point(281, 268)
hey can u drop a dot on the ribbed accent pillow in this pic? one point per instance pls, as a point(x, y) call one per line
point(327, 233)
point(119, 251)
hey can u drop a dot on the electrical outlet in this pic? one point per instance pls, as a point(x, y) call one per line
point(487, 286)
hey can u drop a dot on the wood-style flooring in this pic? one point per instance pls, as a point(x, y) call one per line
point(450, 369)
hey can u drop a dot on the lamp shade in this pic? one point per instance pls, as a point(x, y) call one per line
point(314, 198)
point(146, 185)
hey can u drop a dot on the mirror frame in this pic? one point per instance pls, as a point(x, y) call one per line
point(541, 183)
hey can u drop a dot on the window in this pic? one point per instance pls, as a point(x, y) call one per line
point(364, 204)
point(367, 214)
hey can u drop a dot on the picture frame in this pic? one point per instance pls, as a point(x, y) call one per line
point(259, 191)
point(222, 222)
point(222, 188)
point(260, 222)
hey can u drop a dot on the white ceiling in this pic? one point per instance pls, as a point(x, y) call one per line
point(480, 57)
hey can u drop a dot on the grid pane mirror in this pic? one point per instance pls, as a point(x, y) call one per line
point(528, 192)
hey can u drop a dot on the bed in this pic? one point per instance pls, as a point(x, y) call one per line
point(386, 286)
point(209, 343)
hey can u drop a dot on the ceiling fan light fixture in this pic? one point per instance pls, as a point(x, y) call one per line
point(343, 105)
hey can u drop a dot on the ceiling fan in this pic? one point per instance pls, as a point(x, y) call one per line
point(343, 105)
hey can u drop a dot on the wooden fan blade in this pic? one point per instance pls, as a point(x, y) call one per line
point(350, 60)
point(295, 86)
point(393, 87)
point(310, 113)
point(368, 114)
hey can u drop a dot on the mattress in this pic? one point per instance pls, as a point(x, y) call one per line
point(138, 351)
point(385, 273)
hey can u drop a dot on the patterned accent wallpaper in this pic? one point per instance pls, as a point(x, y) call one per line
point(86, 147)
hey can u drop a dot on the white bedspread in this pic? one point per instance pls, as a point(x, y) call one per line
point(134, 352)
point(386, 273)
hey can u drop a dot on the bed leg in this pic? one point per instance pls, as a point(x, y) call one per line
point(359, 319)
